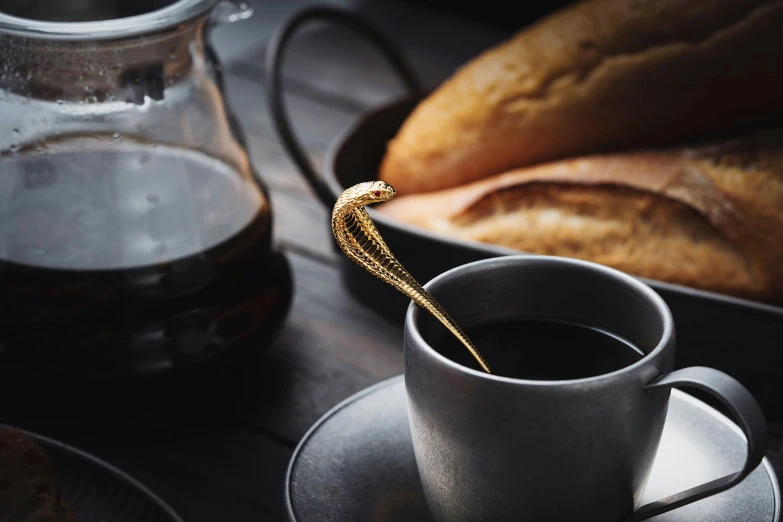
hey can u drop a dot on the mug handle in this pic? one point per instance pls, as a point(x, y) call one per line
point(274, 78)
point(746, 412)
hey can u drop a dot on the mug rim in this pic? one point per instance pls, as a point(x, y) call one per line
point(412, 316)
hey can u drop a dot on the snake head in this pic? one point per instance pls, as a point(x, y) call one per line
point(378, 191)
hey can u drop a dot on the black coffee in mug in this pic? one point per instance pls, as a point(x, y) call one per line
point(542, 350)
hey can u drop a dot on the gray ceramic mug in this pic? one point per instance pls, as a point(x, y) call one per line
point(491, 448)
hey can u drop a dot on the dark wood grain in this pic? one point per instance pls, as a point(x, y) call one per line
point(330, 348)
point(301, 221)
point(317, 124)
point(331, 61)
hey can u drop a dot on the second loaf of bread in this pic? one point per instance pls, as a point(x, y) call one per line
point(707, 217)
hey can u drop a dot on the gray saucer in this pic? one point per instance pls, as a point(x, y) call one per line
point(357, 464)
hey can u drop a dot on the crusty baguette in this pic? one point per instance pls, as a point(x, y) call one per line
point(600, 76)
point(707, 217)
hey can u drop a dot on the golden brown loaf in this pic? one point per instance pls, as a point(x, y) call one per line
point(599, 76)
point(708, 217)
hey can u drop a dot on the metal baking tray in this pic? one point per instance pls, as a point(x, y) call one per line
point(741, 337)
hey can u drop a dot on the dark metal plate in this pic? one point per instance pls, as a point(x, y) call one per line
point(357, 464)
point(99, 492)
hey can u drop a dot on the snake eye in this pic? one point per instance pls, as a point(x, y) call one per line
point(376, 193)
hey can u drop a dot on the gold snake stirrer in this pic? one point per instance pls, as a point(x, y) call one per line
point(357, 236)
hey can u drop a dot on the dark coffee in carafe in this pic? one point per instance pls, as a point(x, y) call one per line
point(131, 256)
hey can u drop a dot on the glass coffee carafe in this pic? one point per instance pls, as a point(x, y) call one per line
point(134, 234)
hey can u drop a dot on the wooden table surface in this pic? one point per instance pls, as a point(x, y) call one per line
point(224, 459)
